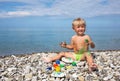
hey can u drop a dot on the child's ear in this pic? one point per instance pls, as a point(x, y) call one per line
point(73, 28)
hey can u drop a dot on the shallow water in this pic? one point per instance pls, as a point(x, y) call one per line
point(47, 40)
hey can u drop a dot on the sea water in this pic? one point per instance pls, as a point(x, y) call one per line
point(48, 40)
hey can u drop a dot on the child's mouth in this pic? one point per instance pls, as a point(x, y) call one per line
point(80, 31)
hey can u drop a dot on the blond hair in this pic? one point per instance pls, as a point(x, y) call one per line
point(78, 22)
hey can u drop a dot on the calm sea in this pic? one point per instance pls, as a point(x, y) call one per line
point(47, 40)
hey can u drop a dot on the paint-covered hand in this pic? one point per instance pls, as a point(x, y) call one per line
point(63, 44)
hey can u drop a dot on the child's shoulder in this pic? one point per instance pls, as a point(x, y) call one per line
point(86, 35)
point(74, 36)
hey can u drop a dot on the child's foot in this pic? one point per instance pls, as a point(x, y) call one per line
point(93, 67)
point(46, 59)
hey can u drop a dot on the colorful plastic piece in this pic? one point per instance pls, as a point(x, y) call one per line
point(58, 74)
point(67, 60)
point(57, 69)
point(55, 65)
point(49, 68)
point(68, 67)
point(73, 63)
point(62, 65)
point(57, 61)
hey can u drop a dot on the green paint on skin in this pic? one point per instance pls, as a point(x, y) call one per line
point(81, 51)
point(86, 40)
point(88, 53)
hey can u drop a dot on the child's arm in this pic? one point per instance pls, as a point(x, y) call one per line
point(71, 45)
point(64, 45)
point(92, 45)
point(68, 46)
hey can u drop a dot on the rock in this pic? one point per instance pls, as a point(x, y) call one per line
point(74, 76)
point(81, 78)
point(80, 64)
point(28, 76)
point(112, 66)
point(51, 79)
point(30, 67)
point(88, 77)
point(34, 57)
point(34, 78)
point(110, 76)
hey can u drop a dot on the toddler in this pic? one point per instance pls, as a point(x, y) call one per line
point(80, 43)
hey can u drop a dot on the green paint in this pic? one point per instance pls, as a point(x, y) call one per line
point(88, 53)
point(86, 40)
point(81, 51)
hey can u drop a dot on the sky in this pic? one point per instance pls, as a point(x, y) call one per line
point(26, 13)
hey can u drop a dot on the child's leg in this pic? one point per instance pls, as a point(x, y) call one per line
point(90, 61)
point(61, 54)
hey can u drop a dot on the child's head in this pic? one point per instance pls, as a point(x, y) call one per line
point(78, 22)
point(79, 26)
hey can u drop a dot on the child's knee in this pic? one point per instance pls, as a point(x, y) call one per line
point(87, 54)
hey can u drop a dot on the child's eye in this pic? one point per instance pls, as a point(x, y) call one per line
point(82, 26)
point(78, 27)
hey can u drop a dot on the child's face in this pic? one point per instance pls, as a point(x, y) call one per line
point(79, 29)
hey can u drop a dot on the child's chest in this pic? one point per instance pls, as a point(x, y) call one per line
point(79, 41)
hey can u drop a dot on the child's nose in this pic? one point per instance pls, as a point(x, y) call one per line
point(80, 28)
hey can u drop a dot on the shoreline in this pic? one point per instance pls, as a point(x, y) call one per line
point(1, 56)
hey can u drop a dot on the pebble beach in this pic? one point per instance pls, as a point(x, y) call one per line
point(31, 67)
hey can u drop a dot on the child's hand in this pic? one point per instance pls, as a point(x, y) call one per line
point(63, 44)
point(86, 41)
point(92, 45)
